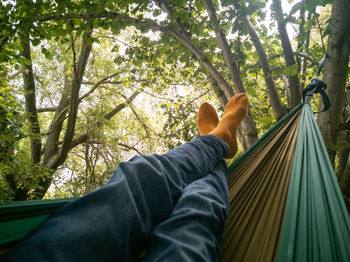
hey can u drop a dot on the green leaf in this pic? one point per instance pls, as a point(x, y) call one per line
point(115, 27)
point(35, 41)
point(291, 70)
point(46, 53)
point(183, 16)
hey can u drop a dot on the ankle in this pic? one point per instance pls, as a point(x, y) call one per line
point(223, 133)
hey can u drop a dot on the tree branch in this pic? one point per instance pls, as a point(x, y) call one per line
point(47, 109)
point(321, 35)
point(145, 127)
point(279, 110)
point(130, 148)
point(194, 99)
point(83, 138)
point(150, 24)
point(74, 56)
point(307, 57)
point(102, 81)
point(121, 106)
point(226, 51)
point(55, 129)
point(165, 7)
point(294, 86)
point(73, 104)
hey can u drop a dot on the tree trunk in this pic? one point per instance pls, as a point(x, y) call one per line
point(293, 81)
point(218, 91)
point(333, 124)
point(335, 75)
point(73, 104)
point(306, 46)
point(343, 169)
point(30, 102)
point(19, 189)
point(55, 129)
point(344, 153)
point(249, 127)
point(278, 109)
point(53, 164)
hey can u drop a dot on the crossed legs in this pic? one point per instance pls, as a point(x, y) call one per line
point(146, 196)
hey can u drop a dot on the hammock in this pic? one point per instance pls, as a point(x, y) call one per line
point(285, 203)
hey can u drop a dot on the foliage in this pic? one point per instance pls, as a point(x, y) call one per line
point(137, 46)
point(10, 133)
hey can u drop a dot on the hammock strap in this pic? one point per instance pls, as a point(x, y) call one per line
point(317, 86)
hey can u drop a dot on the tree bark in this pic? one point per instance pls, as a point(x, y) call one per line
point(335, 75)
point(54, 160)
point(55, 129)
point(219, 93)
point(343, 169)
point(21, 191)
point(30, 102)
point(73, 104)
point(293, 81)
point(226, 51)
point(249, 127)
point(278, 109)
point(306, 47)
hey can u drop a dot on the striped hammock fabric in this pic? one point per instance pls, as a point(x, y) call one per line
point(285, 203)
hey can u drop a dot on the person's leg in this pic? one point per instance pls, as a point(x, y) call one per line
point(194, 230)
point(114, 222)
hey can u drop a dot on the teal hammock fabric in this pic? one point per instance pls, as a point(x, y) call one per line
point(17, 219)
point(316, 225)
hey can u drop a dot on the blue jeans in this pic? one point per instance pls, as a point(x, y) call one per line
point(175, 205)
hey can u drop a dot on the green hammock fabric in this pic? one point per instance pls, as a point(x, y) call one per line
point(285, 203)
point(258, 187)
point(17, 219)
point(316, 225)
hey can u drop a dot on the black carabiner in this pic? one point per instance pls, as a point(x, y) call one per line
point(316, 86)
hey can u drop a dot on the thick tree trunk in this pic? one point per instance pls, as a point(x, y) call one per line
point(344, 153)
point(30, 102)
point(335, 76)
point(293, 81)
point(218, 91)
point(19, 189)
point(343, 169)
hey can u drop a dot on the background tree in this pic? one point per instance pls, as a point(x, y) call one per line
point(334, 124)
point(213, 48)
